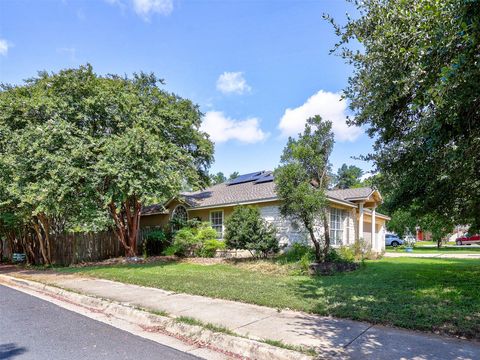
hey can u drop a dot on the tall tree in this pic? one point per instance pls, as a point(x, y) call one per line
point(348, 177)
point(302, 179)
point(84, 145)
point(233, 175)
point(415, 86)
point(217, 178)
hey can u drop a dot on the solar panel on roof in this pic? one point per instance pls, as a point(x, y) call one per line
point(246, 178)
point(264, 179)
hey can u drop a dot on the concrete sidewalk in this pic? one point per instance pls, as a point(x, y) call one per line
point(432, 255)
point(357, 340)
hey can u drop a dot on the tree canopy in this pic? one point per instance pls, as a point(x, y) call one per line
point(89, 149)
point(415, 86)
point(348, 176)
point(217, 178)
point(302, 179)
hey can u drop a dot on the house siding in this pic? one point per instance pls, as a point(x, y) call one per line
point(287, 232)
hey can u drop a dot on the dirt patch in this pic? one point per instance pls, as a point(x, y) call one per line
point(204, 261)
point(126, 260)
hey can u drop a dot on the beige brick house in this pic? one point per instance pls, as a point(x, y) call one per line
point(352, 211)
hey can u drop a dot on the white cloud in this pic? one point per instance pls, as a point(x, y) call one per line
point(4, 47)
point(222, 128)
point(326, 104)
point(145, 8)
point(232, 82)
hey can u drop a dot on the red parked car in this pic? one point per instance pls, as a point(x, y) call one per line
point(468, 239)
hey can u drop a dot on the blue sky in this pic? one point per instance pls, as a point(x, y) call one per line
point(256, 68)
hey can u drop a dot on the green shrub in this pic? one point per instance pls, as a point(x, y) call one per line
point(210, 247)
point(184, 242)
point(347, 253)
point(296, 252)
point(298, 257)
point(206, 233)
point(196, 239)
point(362, 249)
point(154, 242)
point(333, 256)
point(245, 229)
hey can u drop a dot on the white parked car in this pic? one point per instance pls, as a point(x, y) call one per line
point(393, 240)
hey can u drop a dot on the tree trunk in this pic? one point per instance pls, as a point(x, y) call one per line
point(326, 230)
point(41, 242)
point(10, 239)
point(45, 223)
point(318, 250)
point(27, 241)
point(127, 223)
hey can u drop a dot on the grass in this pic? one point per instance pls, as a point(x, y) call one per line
point(429, 294)
point(221, 329)
point(209, 326)
point(281, 344)
point(433, 250)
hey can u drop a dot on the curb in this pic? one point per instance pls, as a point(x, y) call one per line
point(238, 347)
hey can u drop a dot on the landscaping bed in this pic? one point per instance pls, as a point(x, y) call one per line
point(437, 295)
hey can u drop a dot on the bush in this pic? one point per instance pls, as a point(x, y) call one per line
point(184, 242)
point(196, 239)
point(362, 249)
point(296, 252)
point(299, 256)
point(246, 230)
point(347, 253)
point(210, 247)
point(154, 242)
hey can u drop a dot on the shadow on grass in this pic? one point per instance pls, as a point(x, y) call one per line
point(437, 295)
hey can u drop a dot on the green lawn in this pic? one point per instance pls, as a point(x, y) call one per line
point(433, 250)
point(440, 295)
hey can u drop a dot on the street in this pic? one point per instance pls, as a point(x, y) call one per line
point(31, 328)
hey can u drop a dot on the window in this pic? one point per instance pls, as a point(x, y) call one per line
point(336, 226)
point(179, 217)
point(216, 219)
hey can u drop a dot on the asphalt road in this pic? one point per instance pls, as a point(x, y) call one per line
point(31, 328)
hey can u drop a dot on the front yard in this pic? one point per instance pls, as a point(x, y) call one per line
point(439, 295)
point(452, 249)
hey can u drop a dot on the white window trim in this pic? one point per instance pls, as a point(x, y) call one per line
point(343, 216)
point(223, 219)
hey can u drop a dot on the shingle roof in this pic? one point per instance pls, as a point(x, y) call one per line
point(249, 192)
point(223, 194)
point(351, 194)
point(153, 209)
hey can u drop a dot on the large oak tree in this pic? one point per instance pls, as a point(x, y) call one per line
point(416, 87)
point(85, 147)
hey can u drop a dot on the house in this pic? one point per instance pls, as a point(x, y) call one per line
point(352, 211)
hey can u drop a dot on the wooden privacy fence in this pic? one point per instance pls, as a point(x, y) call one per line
point(74, 248)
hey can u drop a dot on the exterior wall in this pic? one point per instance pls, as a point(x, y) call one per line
point(158, 220)
point(288, 233)
point(380, 229)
